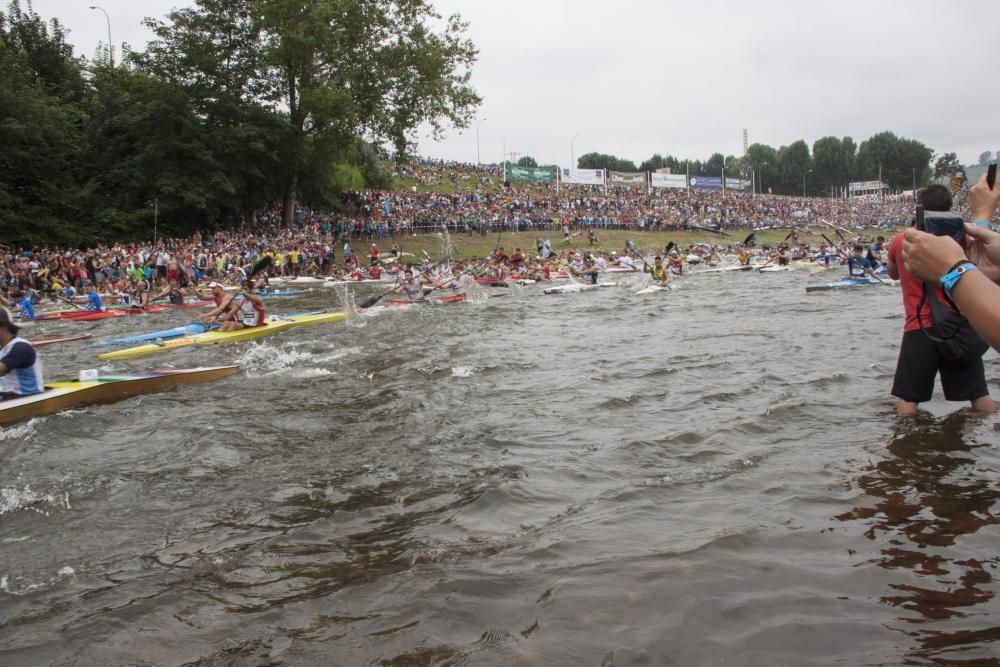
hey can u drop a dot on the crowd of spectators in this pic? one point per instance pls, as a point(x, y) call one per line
point(484, 204)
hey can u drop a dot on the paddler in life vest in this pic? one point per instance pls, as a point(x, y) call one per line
point(173, 292)
point(247, 310)
point(743, 256)
point(20, 365)
point(857, 264)
point(657, 272)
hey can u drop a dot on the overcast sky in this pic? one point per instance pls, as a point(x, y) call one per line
point(637, 77)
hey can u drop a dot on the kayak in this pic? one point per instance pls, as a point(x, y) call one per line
point(279, 293)
point(652, 289)
point(59, 396)
point(451, 298)
point(91, 315)
point(847, 283)
point(505, 283)
point(774, 269)
point(621, 269)
point(274, 324)
point(42, 342)
point(165, 334)
point(576, 287)
point(363, 281)
point(301, 280)
point(727, 269)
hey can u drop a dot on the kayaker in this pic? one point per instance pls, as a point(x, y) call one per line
point(412, 285)
point(657, 272)
point(94, 303)
point(246, 310)
point(676, 263)
point(857, 264)
point(173, 293)
point(20, 365)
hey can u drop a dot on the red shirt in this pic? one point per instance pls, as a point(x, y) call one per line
point(912, 288)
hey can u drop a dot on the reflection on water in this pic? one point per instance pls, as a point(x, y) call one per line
point(933, 499)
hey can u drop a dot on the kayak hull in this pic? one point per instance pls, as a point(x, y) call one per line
point(844, 284)
point(59, 396)
point(273, 325)
point(572, 289)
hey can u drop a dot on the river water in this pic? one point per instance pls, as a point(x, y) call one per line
point(708, 476)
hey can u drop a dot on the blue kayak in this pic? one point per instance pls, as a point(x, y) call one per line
point(166, 334)
point(845, 284)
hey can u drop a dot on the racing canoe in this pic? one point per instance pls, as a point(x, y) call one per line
point(576, 287)
point(847, 283)
point(653, 289)
point(60, 396)
point(274, 324)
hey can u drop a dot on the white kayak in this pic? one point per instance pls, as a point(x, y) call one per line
point(774, 269)
point(364, 281)
point(653, 289)
point(576, 287)
point(727, 269)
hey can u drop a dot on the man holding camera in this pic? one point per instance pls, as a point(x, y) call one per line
point(923, 352)
point(973, 272)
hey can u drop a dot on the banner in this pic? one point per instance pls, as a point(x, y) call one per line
point(736, 184)
point(863, 187)
point(659, 180)
point(582, 176)
point(627, 177)
point(537, 174)
point(706, 182)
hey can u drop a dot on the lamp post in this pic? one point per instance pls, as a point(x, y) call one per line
point(760, 176)
point(572, 155)
point(804, 182)
point(914, 181)
point(111, 55)
point(477, 139)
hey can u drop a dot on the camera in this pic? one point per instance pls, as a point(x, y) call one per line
point(941, 223)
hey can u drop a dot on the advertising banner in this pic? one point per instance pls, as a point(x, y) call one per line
point(737, 184)
point(863, 188)
point(706, 182)
point(582, 176)
point(537, 174)
point(659, 180)
point(627, 177)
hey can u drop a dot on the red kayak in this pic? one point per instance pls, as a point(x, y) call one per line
point(442, 299)
point(90, 315)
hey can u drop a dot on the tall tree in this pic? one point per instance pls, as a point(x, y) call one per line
point(985, 158)
point(947, 165)
point(527, 161)
point(329, 71)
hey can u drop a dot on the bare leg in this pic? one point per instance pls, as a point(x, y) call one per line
point(906, 408)
point(984, 404)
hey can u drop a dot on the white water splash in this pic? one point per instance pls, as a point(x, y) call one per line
point(474, 292)
point(14, 500)
point(19, 432)
point(346, 297)
point(463, 371)
point(262, 360)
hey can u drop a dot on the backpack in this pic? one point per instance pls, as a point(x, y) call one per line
point(957, 341)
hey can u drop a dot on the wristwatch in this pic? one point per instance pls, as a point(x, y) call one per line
point(950, 279)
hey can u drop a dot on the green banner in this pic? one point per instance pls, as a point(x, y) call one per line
point(537, 174)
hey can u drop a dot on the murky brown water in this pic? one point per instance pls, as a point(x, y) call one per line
point(709, 476)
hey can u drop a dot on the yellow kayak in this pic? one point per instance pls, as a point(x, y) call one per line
point(274, 324)
point(59, 396)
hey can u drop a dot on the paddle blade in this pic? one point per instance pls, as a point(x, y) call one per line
point(258, 266)
point(370, 301)
point(670, 246)
point(750, 239)
point(631, 247)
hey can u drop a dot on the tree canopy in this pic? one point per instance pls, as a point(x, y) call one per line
point(234, 104)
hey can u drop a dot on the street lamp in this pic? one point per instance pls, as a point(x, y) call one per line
point(111, 55)
point(804, 182)
point(572, 155)
point(477, 139)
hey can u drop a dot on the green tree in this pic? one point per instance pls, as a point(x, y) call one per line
point(947, 165)
point(985, 158)
point(41, 133)
point(793, 164)
point(329, 71)
point(604, 161)
point(527, 161)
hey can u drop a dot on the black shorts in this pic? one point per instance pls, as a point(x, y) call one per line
point(920, 361)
